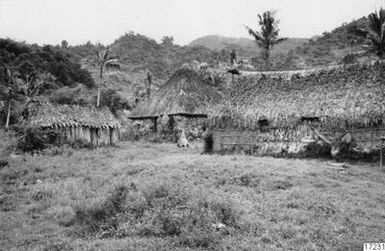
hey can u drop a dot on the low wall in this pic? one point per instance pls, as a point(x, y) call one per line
point(287, 141)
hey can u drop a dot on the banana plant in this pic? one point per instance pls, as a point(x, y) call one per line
point(32, 85)
point(103, 59)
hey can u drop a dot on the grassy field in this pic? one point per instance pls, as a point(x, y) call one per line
point(142, 196)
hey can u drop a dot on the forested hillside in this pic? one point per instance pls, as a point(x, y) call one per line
point(332, 47)
point(137, 53)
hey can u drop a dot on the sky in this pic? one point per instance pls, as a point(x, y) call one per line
point(103, 21)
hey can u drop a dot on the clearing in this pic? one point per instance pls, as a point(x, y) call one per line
point(142, 196)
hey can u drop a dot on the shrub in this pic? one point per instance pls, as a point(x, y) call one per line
point(79, 143)
point(35, 139)
point(101, 217)
point(3, 163)
point(161, 210)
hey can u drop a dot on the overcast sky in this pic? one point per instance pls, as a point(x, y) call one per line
point(78, 21)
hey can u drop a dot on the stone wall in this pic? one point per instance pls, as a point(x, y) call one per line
point(290, 141)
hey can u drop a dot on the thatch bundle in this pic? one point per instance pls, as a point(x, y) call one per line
point(339, 97)
point(185, 93)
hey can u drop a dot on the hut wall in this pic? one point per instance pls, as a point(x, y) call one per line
point(95, 136)
point(104, 136)
point(114, 136)
point(86, 134)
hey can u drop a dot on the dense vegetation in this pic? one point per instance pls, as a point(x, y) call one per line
point(27, 71)
point(28, 59)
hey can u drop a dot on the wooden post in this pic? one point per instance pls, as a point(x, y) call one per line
point(381, 146)
point(155, 125)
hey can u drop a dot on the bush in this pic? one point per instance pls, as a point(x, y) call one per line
point(79, 143)
point(34, 139)
point(160, 210)
point(102, 217)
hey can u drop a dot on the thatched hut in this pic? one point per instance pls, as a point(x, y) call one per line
point(185, 96)
point(277, 112)
point(88, 124)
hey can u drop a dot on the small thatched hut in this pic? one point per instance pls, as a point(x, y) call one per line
point(277, 112)
point(185, 95)
point(86, 123)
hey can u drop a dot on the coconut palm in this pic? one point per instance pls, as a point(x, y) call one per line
point(376, 32)
point(267, 37)
point(103, 59)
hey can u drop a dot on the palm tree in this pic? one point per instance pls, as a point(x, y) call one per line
point(268, 36)
point(103, 59)
point(376, 32)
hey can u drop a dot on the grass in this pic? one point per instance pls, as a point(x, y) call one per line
point(142, 196)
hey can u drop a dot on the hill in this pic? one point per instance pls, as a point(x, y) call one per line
point(334, 47)
point(136, 53)
point(216, 42)
point(344, 44)
point(245, 47)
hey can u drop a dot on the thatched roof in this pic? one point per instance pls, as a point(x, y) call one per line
point(185, 93)
point(49, 115)
point(342, 96)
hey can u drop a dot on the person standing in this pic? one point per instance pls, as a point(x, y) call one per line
point(233, 57)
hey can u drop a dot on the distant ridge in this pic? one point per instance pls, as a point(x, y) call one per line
point(216, 42)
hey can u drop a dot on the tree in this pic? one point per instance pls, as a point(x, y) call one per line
point(32, 85)
point(149, 82)
point(168, 40)
point(376, 32)
point(10, 93)
point(103, 59)
point(267, 37)
point(114, 101)
point(64, 44)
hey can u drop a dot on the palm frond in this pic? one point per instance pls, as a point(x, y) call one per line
point(111, 60)
point(376, 31)
point(99, 55)
point(257, 36)
point(279, 40)
point(105, 56)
